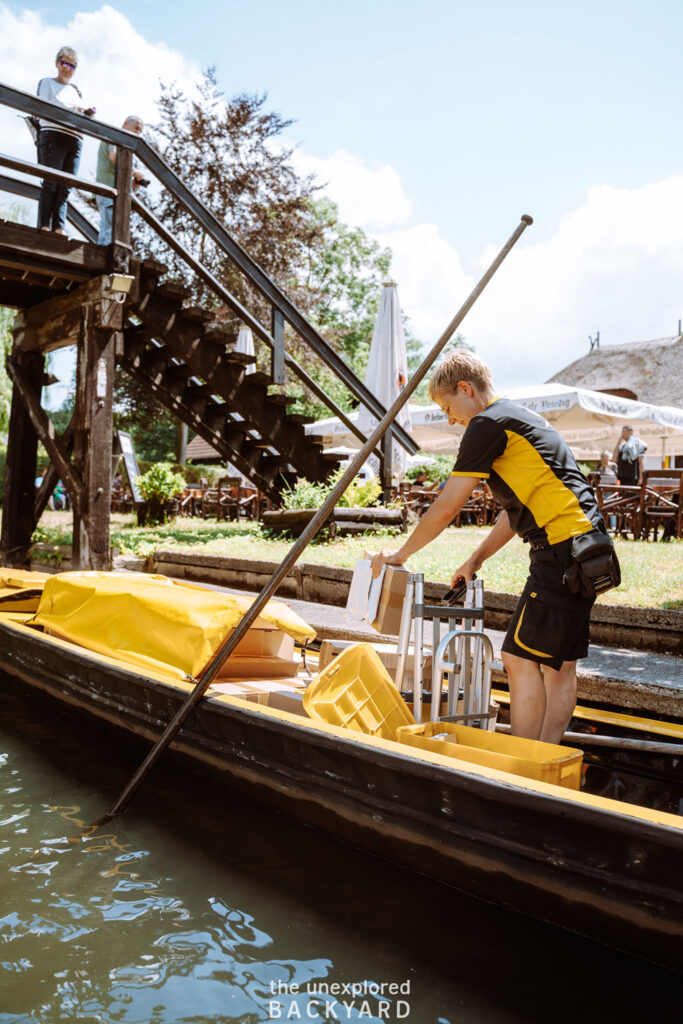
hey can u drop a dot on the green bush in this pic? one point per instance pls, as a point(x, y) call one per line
point(158, 486)
point(160, 483)
point(194, 474)
point(304, 494)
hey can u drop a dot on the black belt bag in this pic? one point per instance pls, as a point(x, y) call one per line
point(595, 566)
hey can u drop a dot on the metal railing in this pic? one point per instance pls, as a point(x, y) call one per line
point(283, 310)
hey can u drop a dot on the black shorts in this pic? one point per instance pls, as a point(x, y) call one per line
point(549, 625)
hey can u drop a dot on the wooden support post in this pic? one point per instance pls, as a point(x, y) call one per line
point(52, 476)
point(44, 428)
point(278, 355)
point(181, 443)
point(93, 440)
point(386, 466)
point(20, 468)
point(120, 248)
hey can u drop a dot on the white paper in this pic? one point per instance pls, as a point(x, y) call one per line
point(364, 592)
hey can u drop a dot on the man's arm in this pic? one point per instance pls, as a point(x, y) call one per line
point(435, 520)
point(497, 538)
point(641, 467)
point(615, 453)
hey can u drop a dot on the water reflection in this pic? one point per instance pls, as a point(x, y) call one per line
point(195, 906)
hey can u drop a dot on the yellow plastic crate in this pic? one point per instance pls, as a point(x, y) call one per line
point(356, 692)
point(544, 762)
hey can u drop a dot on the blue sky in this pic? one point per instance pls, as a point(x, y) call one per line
point(485, 109)
point(436, 125)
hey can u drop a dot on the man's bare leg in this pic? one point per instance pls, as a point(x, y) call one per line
point(560, 688)
point(527, 696)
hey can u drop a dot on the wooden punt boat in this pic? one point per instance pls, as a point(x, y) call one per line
point(604, 868)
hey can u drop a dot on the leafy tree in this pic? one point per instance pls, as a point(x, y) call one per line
point(230, 153)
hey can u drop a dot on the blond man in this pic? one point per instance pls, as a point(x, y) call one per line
point(547, 501)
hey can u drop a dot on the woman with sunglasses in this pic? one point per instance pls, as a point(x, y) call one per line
point(59, 146)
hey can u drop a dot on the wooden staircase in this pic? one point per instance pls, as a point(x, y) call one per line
point(184, 359)
point(111, 305)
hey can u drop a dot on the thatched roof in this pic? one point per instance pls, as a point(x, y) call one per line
point(651, 369)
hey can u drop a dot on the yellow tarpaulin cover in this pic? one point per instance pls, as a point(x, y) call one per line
point(151, 621)
point(13, 582)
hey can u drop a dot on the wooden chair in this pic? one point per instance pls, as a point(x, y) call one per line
point(662, 503)
point(621, 508)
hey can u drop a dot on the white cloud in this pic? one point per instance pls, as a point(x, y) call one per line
point(431, 281)
point(614, 264)
point(118, 70)
point(370, 198)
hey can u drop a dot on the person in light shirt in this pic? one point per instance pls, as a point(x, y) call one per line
point(106, 173)
point(59, 146)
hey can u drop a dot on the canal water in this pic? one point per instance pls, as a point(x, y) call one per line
point(197, 907)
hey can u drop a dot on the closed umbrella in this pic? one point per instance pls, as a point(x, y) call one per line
point(245, 345)
point(387, 372)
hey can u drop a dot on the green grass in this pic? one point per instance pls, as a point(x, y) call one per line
point(652, 572)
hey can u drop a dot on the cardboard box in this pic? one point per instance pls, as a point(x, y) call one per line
point(258, 667)
point(265, 641)
point(387, 618)
point(281, 694)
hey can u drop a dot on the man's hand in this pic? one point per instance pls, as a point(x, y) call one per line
point(466, 570)
point(385, 558)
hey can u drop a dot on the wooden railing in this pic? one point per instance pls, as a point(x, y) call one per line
point(283, 311)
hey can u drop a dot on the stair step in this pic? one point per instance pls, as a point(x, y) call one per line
point(301, 418)
point(199, 391)
point(278, 399)
point(155, 357)
point(177, 370)
point(198, 314)
point(173, 289)
point(239, 357)
point(259, 378)
point(329, 457)
point(217, 335)
point(273, 463)
point(153, 268)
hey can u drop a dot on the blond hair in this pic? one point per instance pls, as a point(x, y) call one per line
point(457, 366)
point(69, 54)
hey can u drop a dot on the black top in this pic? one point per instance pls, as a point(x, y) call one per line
point(531, 472)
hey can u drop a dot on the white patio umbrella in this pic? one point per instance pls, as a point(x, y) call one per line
point(588, 420)
point(245, 344)
point(387, 372)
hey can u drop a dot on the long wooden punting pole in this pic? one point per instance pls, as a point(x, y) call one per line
point(212, 667)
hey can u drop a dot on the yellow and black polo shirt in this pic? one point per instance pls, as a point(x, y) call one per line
point(530, 471)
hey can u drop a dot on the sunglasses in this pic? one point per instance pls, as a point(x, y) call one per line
point(66, 64)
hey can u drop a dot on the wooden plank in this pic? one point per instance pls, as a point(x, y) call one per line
point(277, 365)
point(52, 174)
point(93, 450)
point(45, 430)
point(20, 468)
point(27, 248)
point(120, 249)
point(56, 322)
point(50, 479)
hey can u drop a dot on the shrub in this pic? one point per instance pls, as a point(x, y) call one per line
point(158, 486)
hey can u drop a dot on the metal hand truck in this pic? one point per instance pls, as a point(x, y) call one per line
point(471, 654)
